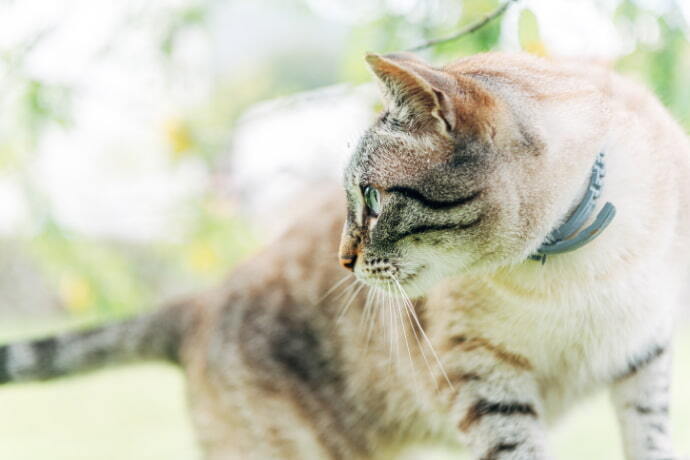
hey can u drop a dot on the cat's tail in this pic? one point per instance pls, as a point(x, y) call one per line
point(155, 336)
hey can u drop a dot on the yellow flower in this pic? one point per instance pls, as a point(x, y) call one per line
point(536, 47)
point(203, 258)
point(76, 293)
point(529, 35)
point(178, 135)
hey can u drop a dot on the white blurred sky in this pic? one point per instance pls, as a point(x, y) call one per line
point(110, 174)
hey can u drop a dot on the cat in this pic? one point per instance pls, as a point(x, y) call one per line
point(470, 313)
point(477, 169)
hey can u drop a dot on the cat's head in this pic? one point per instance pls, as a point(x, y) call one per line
point(448, 179)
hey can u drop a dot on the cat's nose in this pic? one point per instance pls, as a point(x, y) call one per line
point(348, 262)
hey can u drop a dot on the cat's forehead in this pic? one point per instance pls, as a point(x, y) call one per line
point(384, 156)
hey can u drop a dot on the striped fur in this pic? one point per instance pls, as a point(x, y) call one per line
point(157, 336)
point(475, 163)
point(295, 358)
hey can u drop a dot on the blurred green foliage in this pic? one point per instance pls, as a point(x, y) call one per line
point(100, 276)
point(665, 68)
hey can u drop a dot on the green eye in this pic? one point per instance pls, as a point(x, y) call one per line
point(372, 198)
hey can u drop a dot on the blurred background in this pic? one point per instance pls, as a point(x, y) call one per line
point(148, 145)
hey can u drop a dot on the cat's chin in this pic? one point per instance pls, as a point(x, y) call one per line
point(414, 274)
point(423, 282)
point(389, 284)
point(411, 286)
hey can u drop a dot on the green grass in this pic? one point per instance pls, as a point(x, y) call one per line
point(131, 413)
point(139, 413)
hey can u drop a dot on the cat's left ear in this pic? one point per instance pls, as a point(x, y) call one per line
point(414, 92)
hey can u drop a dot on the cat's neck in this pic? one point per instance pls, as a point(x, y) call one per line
point(638, 238)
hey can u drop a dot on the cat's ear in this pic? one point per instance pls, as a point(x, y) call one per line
point(414, 93)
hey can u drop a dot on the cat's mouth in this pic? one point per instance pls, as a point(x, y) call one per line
point(385, 273)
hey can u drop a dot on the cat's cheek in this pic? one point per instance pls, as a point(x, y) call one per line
point(434, 264)
point(420, 285)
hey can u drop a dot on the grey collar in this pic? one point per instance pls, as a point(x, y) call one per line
point(568, 236)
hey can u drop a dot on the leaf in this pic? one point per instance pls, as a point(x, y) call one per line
point(528, 33)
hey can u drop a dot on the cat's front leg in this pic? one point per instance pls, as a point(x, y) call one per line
point(641, 398)
point(499, 419)
point(496, 405)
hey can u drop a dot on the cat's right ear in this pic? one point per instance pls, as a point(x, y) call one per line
point(414, 93)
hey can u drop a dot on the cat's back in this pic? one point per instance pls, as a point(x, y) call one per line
point(646, 148)
point(522, 76)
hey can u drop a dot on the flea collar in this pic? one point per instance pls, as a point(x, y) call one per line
point(570, 235)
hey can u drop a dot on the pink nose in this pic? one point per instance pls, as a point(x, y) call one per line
point(348, 262)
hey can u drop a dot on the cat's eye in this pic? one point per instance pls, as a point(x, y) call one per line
point(372, 199)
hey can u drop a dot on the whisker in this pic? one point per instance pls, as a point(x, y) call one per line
point(410, 307)
point(375, 314)
point(365, 314)
point(350, 300)
point(395, 331)
point(401, 308)
point(368, 318)
point(416, 336)
point(346, 293)
point(389, 304)
point(396, 310)
point(335, 286)
point(367, 307)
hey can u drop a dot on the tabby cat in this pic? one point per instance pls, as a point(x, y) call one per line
point(456, 198)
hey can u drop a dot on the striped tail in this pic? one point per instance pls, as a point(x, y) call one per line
point(155, 336)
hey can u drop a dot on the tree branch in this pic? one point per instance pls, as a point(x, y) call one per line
point(468, 29)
